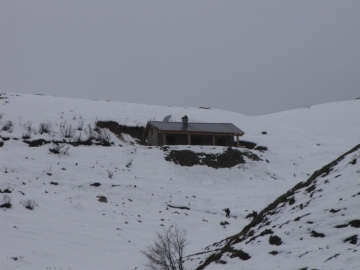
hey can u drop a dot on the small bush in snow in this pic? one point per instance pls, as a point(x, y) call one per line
point(30, 204)
point(48, 171)
point(28, 126)
point(61, 148)
point(129, 163)
point(80, 124)
point(26, 135)
point(104, 137)
point(8, 126)
point(98, 134)
point(45, 127)
point(6, 202)
point(67, 131)
point(90, 133)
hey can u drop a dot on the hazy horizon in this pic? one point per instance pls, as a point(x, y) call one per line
point(251, 57)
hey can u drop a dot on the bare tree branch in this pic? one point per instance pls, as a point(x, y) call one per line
point(167, 251)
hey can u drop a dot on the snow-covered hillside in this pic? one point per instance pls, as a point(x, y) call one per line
point(315, 225)
point(71, 227)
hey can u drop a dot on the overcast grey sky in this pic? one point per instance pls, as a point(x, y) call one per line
point(252, 57)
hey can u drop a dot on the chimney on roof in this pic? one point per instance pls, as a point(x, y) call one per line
point(185, 120)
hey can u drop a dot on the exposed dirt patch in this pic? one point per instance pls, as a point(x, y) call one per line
point(102, 199)
point(316, 234)
point(229, 158)
point(248, 145)
point(36, 143)
point(41, 142)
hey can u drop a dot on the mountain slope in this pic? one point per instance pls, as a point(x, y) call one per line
point(314, 225)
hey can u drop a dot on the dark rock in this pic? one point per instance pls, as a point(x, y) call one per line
point(223, 223)
point(102, 199)
point(261, 148)
point(355, 223)
point(316, 234)
point(95, 184)
point(275, 240)
point(352, 239)
point(353, 162)
point(241, 254)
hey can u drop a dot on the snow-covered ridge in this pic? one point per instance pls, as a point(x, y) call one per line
point(70, 228)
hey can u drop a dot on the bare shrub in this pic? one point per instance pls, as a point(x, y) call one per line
point(8, 126)
point(167, 251)
point(91, 134)
point(45, 127)
point(6, 202)
point(129, 163)
point(67, 131)
point(80, 124)
point(15, 258)
point(48, 171)
point(61, 148)
point(98, 134)
point(26, 135)
point(104, 136)
point(29, 204)
point(28, 126)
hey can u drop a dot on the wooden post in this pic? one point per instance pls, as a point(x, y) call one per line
point(213, 139)
point(189, 139)
point(237, 141)
point(164, 139)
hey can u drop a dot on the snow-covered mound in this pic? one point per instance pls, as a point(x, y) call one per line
point(315, 225)
point(98, 197)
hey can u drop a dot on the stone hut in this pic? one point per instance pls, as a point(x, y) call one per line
point(159, 133)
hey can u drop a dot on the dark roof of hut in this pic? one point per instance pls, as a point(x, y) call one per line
point(179, 127)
